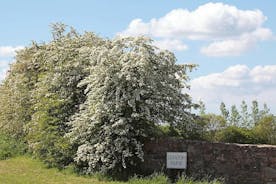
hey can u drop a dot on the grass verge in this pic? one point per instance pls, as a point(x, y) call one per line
point(25, 170)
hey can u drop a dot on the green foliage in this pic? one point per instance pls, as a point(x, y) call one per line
point(245, 121)
point(224, 111)
point(165, 131)
point(265, 131)
point(257, 127)
point(255, 112)
point(195, 131)
point(10, 147)
point(202, 108)
point(211, 125)
point(243, 118)
point(56, 95)
point(15, 101)
point(40, 93)
point(234, 116)
point(234, 134)
point(215, 129)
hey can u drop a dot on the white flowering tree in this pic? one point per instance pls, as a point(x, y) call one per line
point(40, 93)
point(63, 64)
point(132, 87)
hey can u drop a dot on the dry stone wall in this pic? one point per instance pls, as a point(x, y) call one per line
point(236, 163)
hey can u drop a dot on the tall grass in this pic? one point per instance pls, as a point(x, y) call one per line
point(162, 179)
point(155, 178)
point(187, 180)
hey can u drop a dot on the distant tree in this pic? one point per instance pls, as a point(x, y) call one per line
point(265, 111)
point(255, 113)
point(212, 125)
point(235, 116)
point(224, 112)
point(202, 108)
point(245, 121)
point(243, 118)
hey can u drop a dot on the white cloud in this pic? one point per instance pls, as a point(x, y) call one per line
point(227, 48)
point(136, 28)
point(209, 21)
point(235, 47)
point(2, 76)
point(9, 51)
point(235, 84)
point(4, 66)
point(232, 31)
point(265, 75)
point(171, 44)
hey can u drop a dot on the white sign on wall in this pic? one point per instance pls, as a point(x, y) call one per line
point(176, 160)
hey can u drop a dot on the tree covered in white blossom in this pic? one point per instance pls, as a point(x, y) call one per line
point(94, 101)
point(132, 88)
point(40, 92)
point(64, 63)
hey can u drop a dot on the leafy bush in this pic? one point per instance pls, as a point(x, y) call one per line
point(265, 130)
point(165, 131)
point(233, 134)
point(212, 124)
point(10, 147)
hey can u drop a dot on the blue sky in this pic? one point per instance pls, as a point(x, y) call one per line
point(232, 41)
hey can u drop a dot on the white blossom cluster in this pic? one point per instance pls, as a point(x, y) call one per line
point(132, 87)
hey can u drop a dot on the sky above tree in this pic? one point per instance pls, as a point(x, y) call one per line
point(233, 42)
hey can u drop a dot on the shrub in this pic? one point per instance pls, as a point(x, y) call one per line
point(165, 131)
point(209, 125)
point(233, 134)
point(10, 147)
point(265, 130)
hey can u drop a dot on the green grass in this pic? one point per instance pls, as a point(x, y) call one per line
point(185, 180)
point(25, 170)
point(154, 179)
